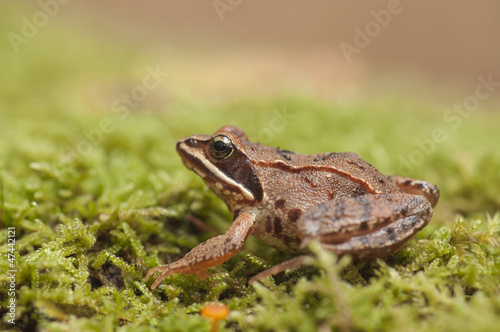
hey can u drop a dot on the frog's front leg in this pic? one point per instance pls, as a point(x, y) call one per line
point(369, 226)
point(210, 253)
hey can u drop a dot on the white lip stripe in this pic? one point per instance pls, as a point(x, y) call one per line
point(246, 193)
point(200, 174)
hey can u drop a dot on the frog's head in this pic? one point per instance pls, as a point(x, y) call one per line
point(222, 162)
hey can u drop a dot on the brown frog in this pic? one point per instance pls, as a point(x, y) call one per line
point(286, 200)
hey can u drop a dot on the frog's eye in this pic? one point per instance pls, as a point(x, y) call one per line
point(221, 147)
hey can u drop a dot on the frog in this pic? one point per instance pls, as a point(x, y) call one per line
point(286, 200)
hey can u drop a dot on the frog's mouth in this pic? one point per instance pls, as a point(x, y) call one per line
point(192, 151)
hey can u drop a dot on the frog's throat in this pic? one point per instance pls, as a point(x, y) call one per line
point(218, 175)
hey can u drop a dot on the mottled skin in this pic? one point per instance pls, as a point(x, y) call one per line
point(286, 200)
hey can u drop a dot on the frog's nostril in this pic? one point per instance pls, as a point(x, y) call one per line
point(189, 142)
point(192, 141)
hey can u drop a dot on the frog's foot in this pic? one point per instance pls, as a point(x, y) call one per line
point(210, 253)
point(177, 267)
point(370, 226)
point(417, 187)
point(290, 264)
point(213, 252)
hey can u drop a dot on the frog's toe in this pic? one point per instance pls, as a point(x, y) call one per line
point(202, 274)
point(160, 269)
point(417, 187)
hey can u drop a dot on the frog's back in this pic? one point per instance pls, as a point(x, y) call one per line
point(351, 165)
point(349, 174)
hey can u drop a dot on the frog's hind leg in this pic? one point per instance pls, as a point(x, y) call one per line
point(369, 226)
point(381, 243)
point(417, 187)
point(290, 264)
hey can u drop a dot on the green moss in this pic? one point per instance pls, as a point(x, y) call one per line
point(90, 222)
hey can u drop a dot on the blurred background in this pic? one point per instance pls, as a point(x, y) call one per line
point(375, 77)
point(220, 48)
point(94, 95)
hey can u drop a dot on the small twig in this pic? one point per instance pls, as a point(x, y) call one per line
point(201, 225)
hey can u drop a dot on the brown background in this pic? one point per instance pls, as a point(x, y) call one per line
point(268, 46)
